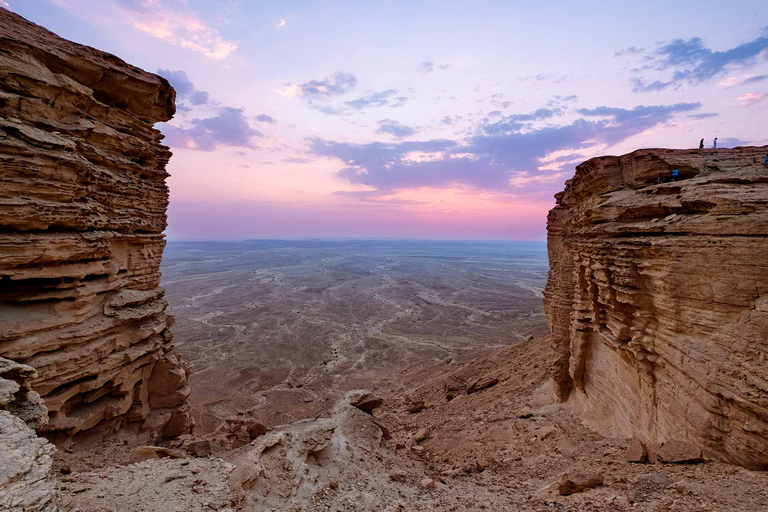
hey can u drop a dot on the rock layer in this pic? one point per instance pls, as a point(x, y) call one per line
point(657, 298)
point(82, 210)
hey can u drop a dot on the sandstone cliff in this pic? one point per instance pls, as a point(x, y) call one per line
point(658, 298)
point(82, 211)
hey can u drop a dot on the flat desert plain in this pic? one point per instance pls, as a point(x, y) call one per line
point(280, 329)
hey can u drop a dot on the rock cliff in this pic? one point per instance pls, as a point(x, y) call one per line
point(82, 211)
point(657, 298)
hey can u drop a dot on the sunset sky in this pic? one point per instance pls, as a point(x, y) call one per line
point(430, 119)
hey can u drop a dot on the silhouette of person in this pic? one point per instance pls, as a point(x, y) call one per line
point(701, 144)
point(714, 143)
point(765, 160)
point(674, 174)
point(661, 176)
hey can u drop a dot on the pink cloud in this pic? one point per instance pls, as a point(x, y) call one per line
point(752, 98)
point(172, 22)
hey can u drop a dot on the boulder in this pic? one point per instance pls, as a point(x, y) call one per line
point(364, 400)
point(256, 429)
point(570, 484)
point(679, 452)
point(636, 451)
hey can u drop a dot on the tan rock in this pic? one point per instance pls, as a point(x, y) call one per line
point(636, 451)
point(398, 476)
point(421, 435)
point(364, 400)
point(256, 429)
point(414, 405)
point(141, 453)
point(657, 310)
point(82, 206)
point(478, 384)
point(570, 484)
point(679, 452)
point(427, 484)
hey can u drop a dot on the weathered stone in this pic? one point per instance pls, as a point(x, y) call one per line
point(364, 400)
point(454, 386)
point(256, 429)
point(636, 451)
point(427, 484)
point(421, 435)
point(570, 484)
point(82, 210)
point(679, 452)
point(25, 467)
point(657, 298)
point(25, 458)
point(141, 453)
point(478, 384)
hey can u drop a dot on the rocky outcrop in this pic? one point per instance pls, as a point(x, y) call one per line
point(82, 211)
point(657, 298)
point(25, 459)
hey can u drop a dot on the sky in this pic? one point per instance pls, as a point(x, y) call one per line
point(430, 119)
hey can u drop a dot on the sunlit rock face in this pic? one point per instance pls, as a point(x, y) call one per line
point(82, 211)
point(658, 298)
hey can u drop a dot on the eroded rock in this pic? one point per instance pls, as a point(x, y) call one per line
point(82, 206)
point(656, 306)
point(579, 482)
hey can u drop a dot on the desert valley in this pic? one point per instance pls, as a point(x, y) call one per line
point(622, 365)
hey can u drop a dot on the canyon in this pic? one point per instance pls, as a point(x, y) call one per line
point(648, 392)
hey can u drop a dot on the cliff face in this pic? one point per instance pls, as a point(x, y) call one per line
point(657, 298)
point(82, 210)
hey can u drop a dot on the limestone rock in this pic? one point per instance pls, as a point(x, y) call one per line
point(657, 298)
point(570, 484)
point(427, 484)
point(25, 467)
point(82, 209)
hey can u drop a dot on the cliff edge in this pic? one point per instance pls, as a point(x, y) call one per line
point(657, 298)
point(82, 211)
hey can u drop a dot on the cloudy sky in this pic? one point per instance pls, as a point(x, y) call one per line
point(430, 119)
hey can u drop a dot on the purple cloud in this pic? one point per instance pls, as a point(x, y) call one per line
point(264, 118)
point(185, 89)
point(496, 153)
point(229, 128)
point(694, 64)
point(337, 84)
point(394, 128)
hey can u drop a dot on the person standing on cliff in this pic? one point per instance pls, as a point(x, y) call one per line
point(661, 176)
point(674, 175)
point(701, 144)
point(714, 143)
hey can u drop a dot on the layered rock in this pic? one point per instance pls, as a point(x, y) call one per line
point(82, 211)
point(657, 298)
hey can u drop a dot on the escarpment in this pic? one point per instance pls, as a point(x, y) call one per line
point(658, 298)
point(82, 211)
